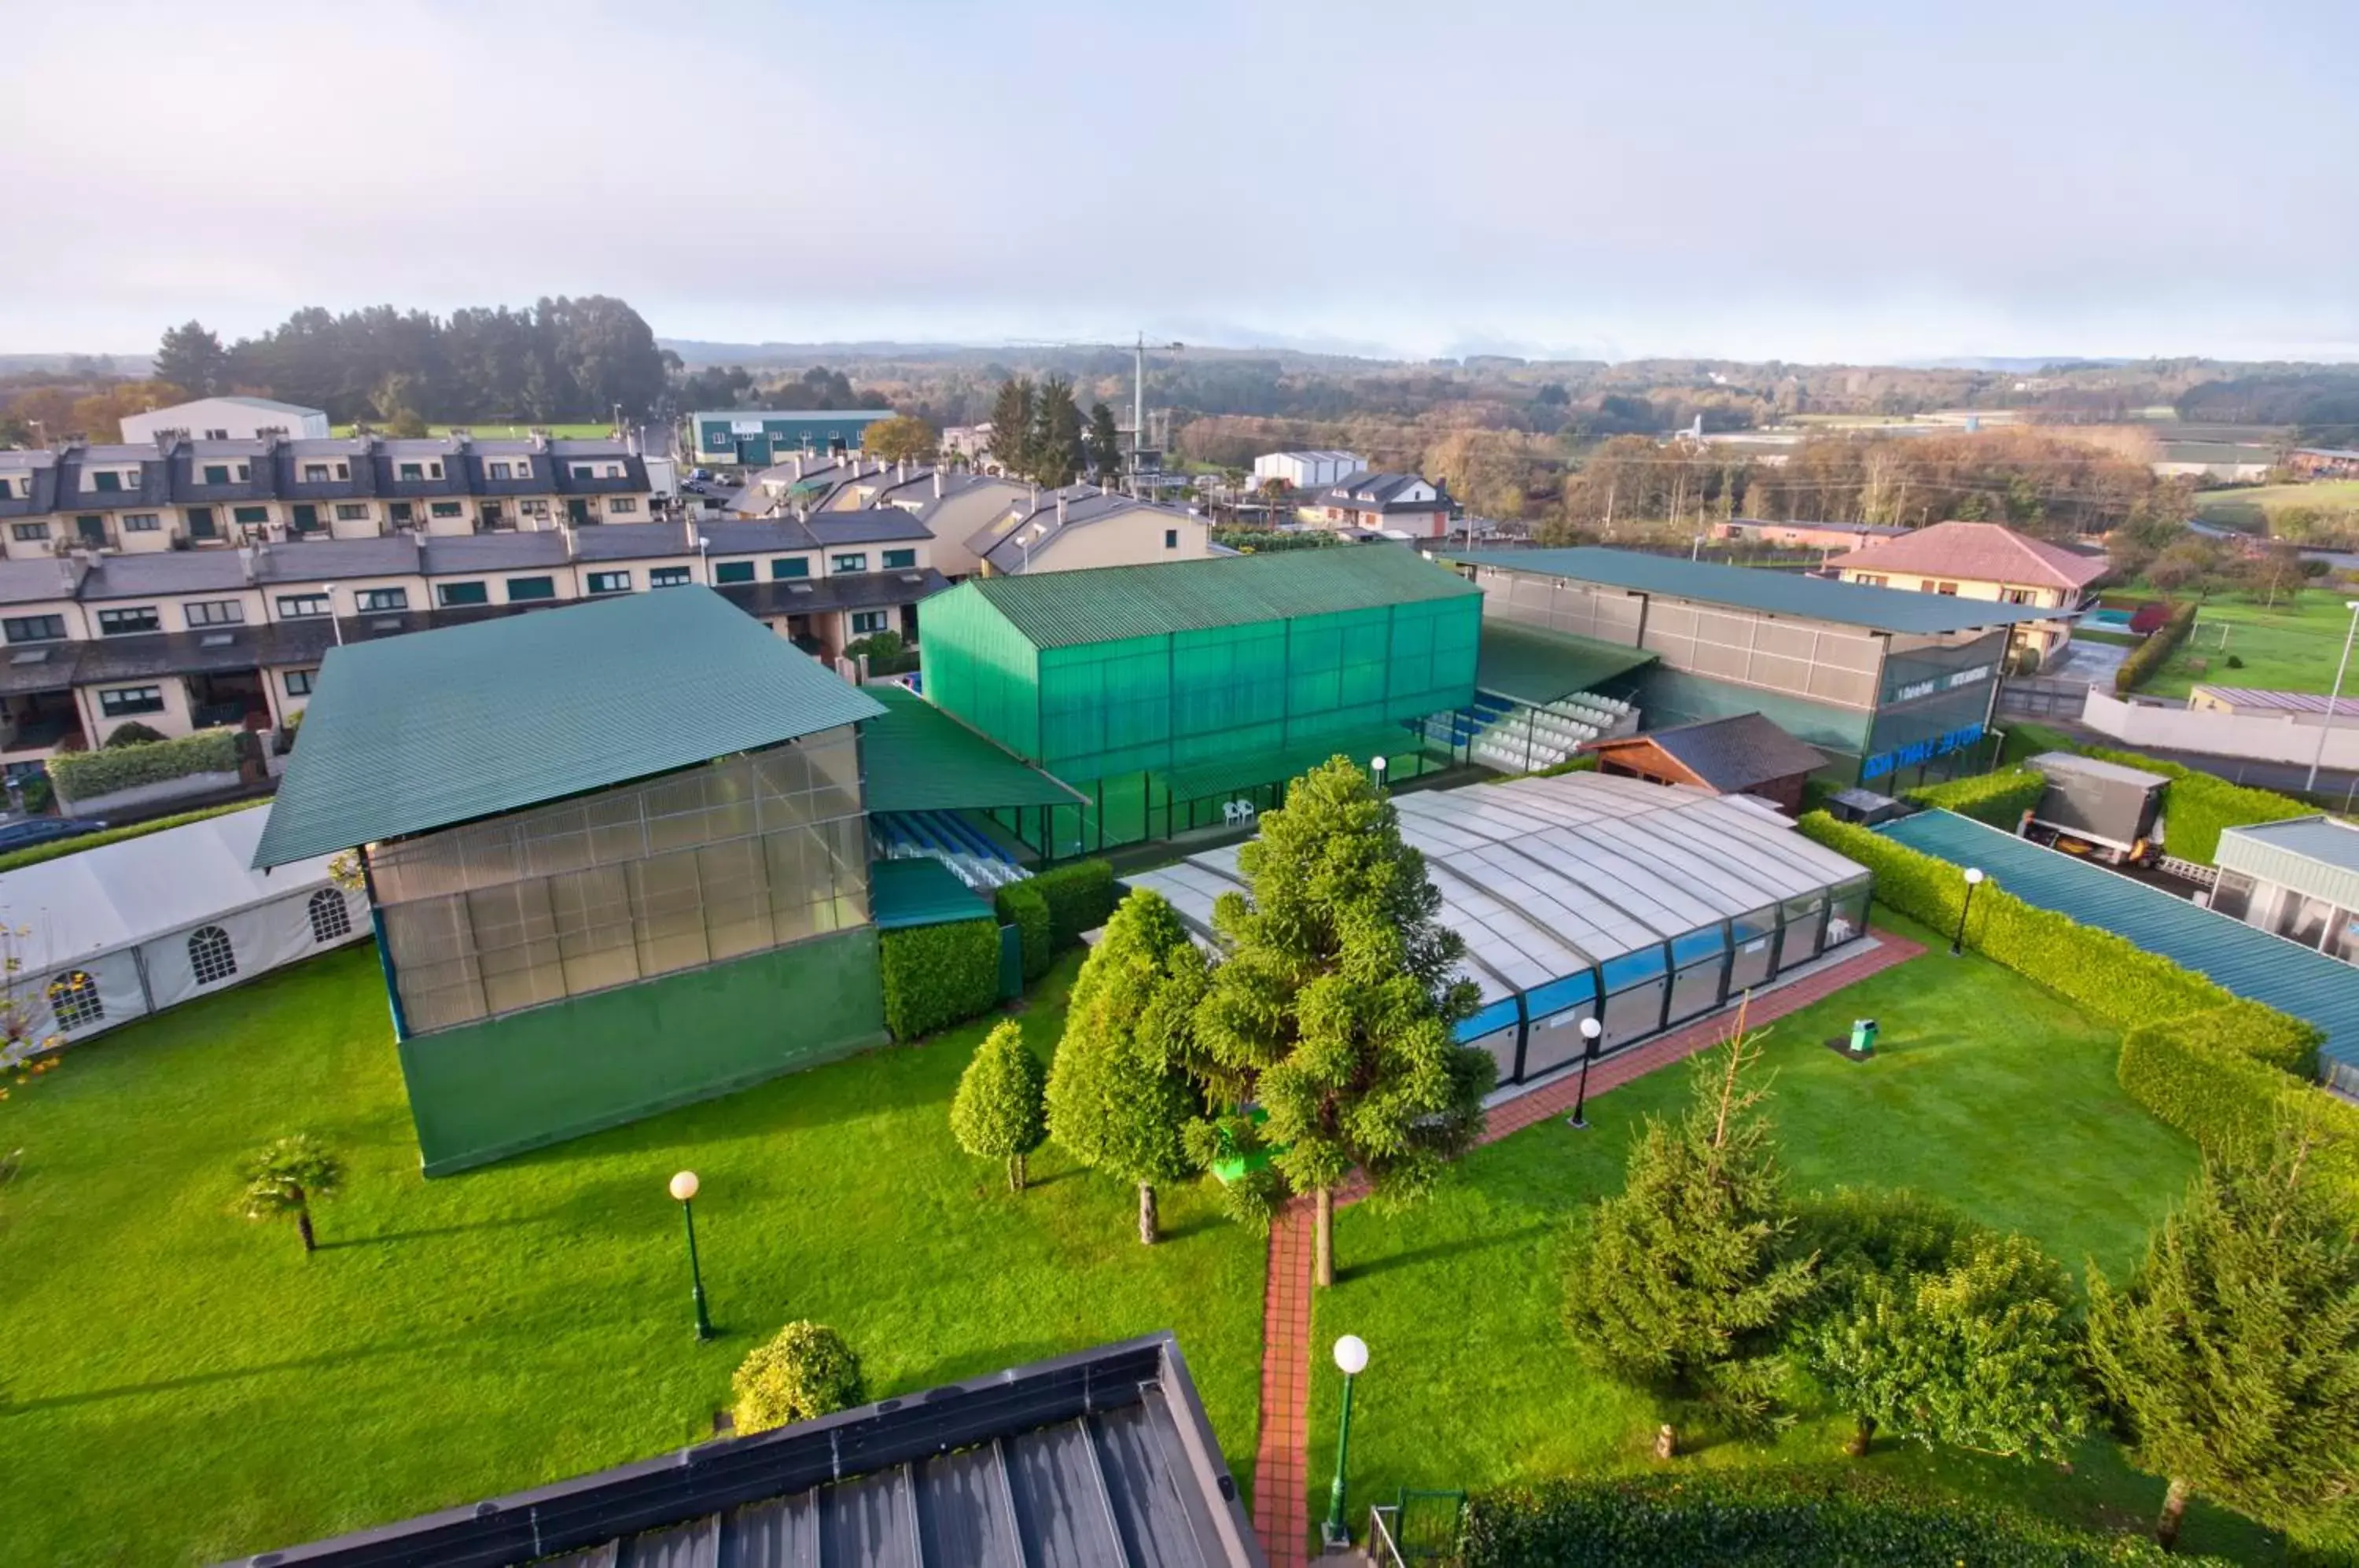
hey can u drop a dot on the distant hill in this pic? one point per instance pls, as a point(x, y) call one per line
point(2021, 365)
point(136, 365)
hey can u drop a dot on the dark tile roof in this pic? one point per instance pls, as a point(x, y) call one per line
point(1003, 543)
point(165, 572)
point(869, 525)
point(41, 466)
point(769, 535)
point(1099, 1458)
point(1731, 755)
point(42, 667)
point(337, 561)
point(76, 491)
point(28, 580)
point(1379, 492)
point(633, 541)
point(852, 591)
point(497, 551)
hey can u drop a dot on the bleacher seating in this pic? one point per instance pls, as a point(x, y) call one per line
point(973, 855)
point(1516, 739)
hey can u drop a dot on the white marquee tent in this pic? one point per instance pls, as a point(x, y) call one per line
point(128, 929)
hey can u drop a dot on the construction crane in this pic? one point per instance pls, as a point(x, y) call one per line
point(1138, 347)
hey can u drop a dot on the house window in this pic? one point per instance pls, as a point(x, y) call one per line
point(126, 701)
point(33, 628)
point(243, 473)
point(866, 621)
point(2020, 595)
point(858, 562)
point(216, 473)
point(26, 533)
point(315, 473)
point(343, 471)
point(617, 505)
point(108, 481)
point(446, 508)
point(141, 522)
point(497, 470)
point(412, 471)
point(300, 681)
point(399, 511)
point(352, 511)
point(610, 583)
point(533, 508)
point(1171, 538)
point(897, 559)
point(210, 955)
point(123, 623)
point(250, 517)
point(73, 1000)
point(214, 613)
point(1948, 589)
point(366, 600)
point(523, 588)
point(331, 918)
point(448, 594)
point(583, 471)
point(790, 566)
point(301, 607)
point(434, 470)
point(306, 517)
point(668, 577)
point(733, 571)
point(216, 435)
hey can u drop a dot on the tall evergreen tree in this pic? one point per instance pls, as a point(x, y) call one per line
point(1682, 1283)
point(192, 359)
point(1120, 1095)
point(1337, 998)
point(1057, 454)
point(2232, 1353)
point(1104, 442)
point(1011, 426)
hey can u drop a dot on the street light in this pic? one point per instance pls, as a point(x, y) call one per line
point(2334, 700)
point(703, 562)
point(333, 620)
point(1591, 1033)
point(1377, 766)
point(1351, 1359)
point(1958, 937)
point(683, 1188)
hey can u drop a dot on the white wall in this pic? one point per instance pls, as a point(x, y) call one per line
point(2276, 738)
point(206, 414)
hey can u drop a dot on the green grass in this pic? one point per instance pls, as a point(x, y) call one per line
point(177, 1384)
point(2252, 508)
point(1987, 1092)
point(595, 429)
point(2291, 647)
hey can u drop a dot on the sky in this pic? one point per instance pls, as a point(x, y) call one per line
point(1811, 181)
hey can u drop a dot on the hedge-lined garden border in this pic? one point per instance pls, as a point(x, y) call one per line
point(86, 775)
point(1019, 904)
point(935, 976)
point(2148, 659)
point(1080, 897)
point(1999, 798)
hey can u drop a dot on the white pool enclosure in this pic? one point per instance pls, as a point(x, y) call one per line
point(117, 932)
point(1640, 905)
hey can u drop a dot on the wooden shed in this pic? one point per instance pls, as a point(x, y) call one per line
point(1743, 754)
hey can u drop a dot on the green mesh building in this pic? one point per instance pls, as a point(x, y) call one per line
point(1173, 694)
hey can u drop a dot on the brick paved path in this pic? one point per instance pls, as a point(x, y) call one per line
point(1281, 1492)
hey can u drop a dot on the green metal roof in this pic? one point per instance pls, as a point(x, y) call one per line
point(411, 733)
point(1757, 588)
point(2249, 962)
point(920, 892)
point(919, 758)
point(1532, 664)
point(1229, 775)
point(1065, 609)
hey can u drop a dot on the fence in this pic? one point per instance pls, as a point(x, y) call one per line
point(2032, 698)
point(2276, 737)
point(1414, 1527)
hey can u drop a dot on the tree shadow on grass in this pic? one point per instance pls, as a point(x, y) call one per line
point(422, 1233)
point(9, 1407)
point(1442, 1250)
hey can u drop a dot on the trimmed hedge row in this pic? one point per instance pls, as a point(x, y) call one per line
point(2198, 806)
point(1080, 897)
point(1998, 799)
point(59, 848)
point(935, 976)
point(2104, 975)
point(1772, 1518)
point(2145, 660)
point(1019, 904)
point(85, 775)
point(2201, 1075)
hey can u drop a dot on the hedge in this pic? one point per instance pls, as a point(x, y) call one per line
point(1773, 1518)
point(2201, 1075)
point(1998, 799)
point(1079, 896)
point(1019, 904)
point(2198, 806)
point(938, 976)
point(2106, 976)
point(2148, 659)
point(59, 848)
point(85, 775)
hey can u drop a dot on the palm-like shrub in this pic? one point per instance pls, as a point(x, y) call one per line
point(286, 1177)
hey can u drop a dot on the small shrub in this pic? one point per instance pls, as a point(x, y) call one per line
point(40, 794)
point(86, 775)
point(133, 732)
point(286, 1177)
point(1080, 897)
point(1998, 799)
point(935, 976)
point(1000, 1111)
point(1019, 904)
point(2236, 661)
point(805, 1371)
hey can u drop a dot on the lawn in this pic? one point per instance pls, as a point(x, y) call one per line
point(595, 429)
point(2291, 647)
point(2251, 508)
point(179, 1384)
point(1985, 1090)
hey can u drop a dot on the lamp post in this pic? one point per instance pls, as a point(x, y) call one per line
point(683, 1187)
point(2334, 700)
point(1591, 1033)
point(1958, 937)
point(333, 620)
point(1376, 766)
point(703, 561)
point(1352, 1360)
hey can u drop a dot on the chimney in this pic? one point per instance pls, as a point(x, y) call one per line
point(1060, 509)
point(797, 460)
point(937, 484)
point(65, 570)
point(565, 532)
point(540, 440)
point(245, 562)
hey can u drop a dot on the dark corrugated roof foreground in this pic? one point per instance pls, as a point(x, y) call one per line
point(444, 726)
point(1758, 588)
point(1102, 1457)
point(1065, 609)
point(2248, 961)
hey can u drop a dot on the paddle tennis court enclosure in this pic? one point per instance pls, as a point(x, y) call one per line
point(1641, 905)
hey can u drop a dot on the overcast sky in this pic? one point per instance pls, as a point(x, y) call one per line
point(1815, 181)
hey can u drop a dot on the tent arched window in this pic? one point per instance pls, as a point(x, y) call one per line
point(331, 918)
point(75, 1002)
point(210, 954)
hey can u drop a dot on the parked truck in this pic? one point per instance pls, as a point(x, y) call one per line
point(2098, 807)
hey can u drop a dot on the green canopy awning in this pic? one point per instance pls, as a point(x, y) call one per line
point(919, 758)
point(1233, 775)
point(1533, 665)
point(920, 892)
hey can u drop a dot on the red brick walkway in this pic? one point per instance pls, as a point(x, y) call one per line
point(1281, 1491)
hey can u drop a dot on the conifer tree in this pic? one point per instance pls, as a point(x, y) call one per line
point(997, 1114)
point(1104, 444)
point(2232, 1353)
point(1120, 1096)
point(1056, 448)
point(1682, 1283)
point(1011, 426)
